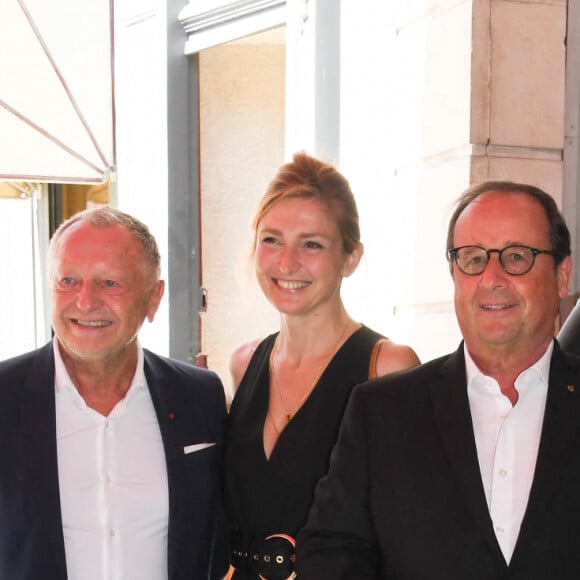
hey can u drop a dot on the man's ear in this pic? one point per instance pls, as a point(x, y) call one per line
point(155, 299)
point(563, 276)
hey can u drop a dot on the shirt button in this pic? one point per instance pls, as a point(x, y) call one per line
point(503, 472)
point(499, 530)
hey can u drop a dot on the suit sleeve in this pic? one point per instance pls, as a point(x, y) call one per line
point(338, 541)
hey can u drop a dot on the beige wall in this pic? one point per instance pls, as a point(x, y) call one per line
point(405, 144)
point(518, 97)
point(242, 145)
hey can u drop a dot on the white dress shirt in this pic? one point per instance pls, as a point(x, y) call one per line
point(507, 439)
point(113, 483)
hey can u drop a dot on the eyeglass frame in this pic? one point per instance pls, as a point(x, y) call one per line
point(452, 255)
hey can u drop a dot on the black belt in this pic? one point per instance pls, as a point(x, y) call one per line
point(270, 558)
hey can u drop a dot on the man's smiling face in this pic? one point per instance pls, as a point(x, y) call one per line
point(499, 313)
point(102, 289)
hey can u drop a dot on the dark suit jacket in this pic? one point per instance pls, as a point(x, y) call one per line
point(404, 499)
point(190, 408)
point(569, 335)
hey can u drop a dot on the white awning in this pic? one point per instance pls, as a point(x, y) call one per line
point(56, 90)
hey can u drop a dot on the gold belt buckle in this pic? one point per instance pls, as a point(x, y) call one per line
point(292, 542)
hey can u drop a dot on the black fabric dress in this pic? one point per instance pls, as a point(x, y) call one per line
point(269, 496)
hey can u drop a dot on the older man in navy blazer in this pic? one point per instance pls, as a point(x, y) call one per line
point(109, 454)
point(467, 467)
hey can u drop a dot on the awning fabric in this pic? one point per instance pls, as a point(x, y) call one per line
point(56, 91)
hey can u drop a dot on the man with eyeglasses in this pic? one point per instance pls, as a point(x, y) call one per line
point(467, 467)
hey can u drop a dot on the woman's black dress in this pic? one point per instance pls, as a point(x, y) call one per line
point(272, 496)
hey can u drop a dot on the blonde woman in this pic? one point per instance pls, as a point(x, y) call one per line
point(293, 386)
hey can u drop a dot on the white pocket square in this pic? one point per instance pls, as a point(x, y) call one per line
point(196, 447)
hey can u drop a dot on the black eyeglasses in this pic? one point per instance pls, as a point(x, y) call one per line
point(515, 260)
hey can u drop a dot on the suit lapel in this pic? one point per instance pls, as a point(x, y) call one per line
point(453, 417)
point(166, 406)
point(167, 409)
point(38, 436)
point(560, 429)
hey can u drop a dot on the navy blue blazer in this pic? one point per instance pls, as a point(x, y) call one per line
point(404, 498)
point(190, 407)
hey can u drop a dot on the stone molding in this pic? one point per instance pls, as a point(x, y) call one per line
point(208, 25)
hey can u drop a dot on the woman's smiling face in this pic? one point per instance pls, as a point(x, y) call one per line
point(300, 259)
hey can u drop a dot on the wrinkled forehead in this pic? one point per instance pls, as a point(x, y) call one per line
point(112, 245)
